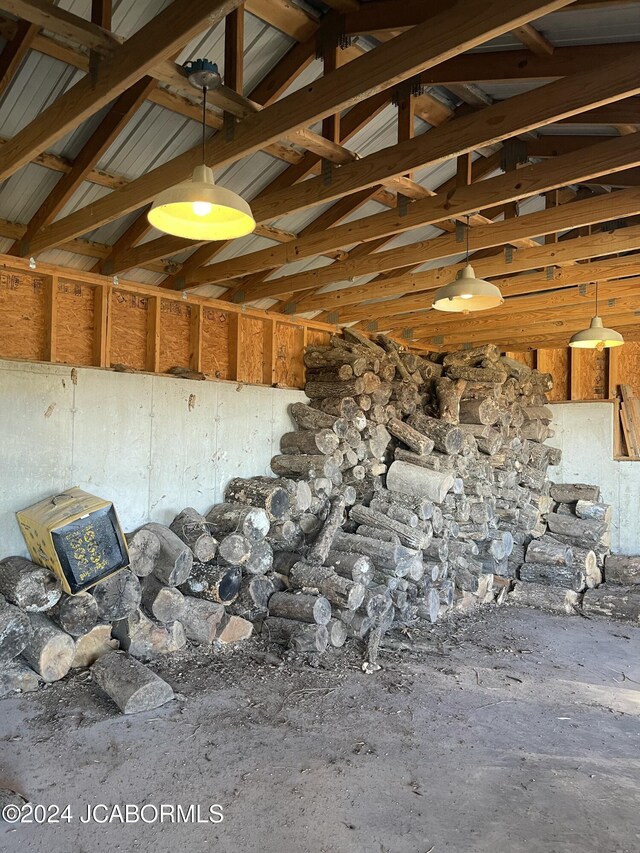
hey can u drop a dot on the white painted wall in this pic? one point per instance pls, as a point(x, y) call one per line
point(130, 438)
point(584, 433)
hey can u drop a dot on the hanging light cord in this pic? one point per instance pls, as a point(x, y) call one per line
point(468, 226)
point(204, 121)
point(596, 298)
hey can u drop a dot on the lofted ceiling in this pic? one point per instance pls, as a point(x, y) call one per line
point(521, 116)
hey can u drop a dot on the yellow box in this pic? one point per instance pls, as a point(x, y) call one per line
point(77, 535)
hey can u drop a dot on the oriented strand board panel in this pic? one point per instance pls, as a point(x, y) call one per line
point(251, 350)
point(318, 337)
point(628, 367)
point(289, 350)
point(215, 343)
point(23, 319)
point(588, 374)
point(74, 327)
point(528, 358)
point(175, 325)
point(556, 362)
point(128, 313)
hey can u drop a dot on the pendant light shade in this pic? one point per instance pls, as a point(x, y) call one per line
point(467, 293)
point(199, 210)
point(597, 336)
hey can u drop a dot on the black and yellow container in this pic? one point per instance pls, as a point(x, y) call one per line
point(77, 535)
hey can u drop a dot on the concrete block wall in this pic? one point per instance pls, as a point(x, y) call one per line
point(151, 444)
point(584, 433)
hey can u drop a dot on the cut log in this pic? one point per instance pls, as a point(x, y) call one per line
point(215, 583)
point(251, 521)
point(409, 436)
point(412, 537)
point(319, 551)
point(260, 559)
point(305, 576)
point(313, 419)
point(448, 394)
point(144, 550)
point(419, 482)
point(335, 357)
point(342, 592)
point(49, 650)
point(615, 602)
point(488, 440)
point(476, 374)
point(338, 373)
point(545, 550)
point(579, 529)
point(312, 443)
point(546, 597)
point(301, 607)
point(234, 629)
point(447, 437)
point(254, 596)
point(622, 570)
point(28, 586)
point(234, 549)
point(342, 407)
point(194, 530)
point(565, 577)
point(117, 596)
point(145, 640)
point(322, 390)
point(131, 685)
point(481, 410)
point(486, 352)
point(593, 511)
point(572, 492)
point(93, 645)
point(304, 466)
point(164, 603)
point(201, 619)
point(15, 630)
point(17, 677)
point(300, 636)
point(175, 560)
point(76, 614)
point(355, 567)
point(272, 498)
point(337, 633)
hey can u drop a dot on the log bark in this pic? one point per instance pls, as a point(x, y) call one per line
point(448, 394)
point(409, 436)
point(319, 551)
point(336, 389)
point(476, 374)
point(565, 577)
point(193, 529)
point(342, 407)
point(481, 410)
point(419, 482)
point(93, 645)
point(254, 595)
point(117, 596)
point(273, 499)
point(215, 583)
point(76, 614)
point(164, 603)
point(322, 441)
point(486, 352)
point(144, 549)
point(302, 607)
point(313, 419)
point(355, 567)
point(17, 677)
point(300, 636)
point(576, 528)
point(384, 555)
point(615, 602)
point(49, 650)
point(175, 560)
point(336, 357)
point(412, 537)
point(572, 492)
point(145, 640)
point(307, 466)
point(131, 685)
point(593, 511)
point(620, 569)
point(447, 437)
point(545, 550)
point(201, 619)
point(251, 521)
point(337, 373)
point(488, 440)
point(15, 630)
point(546, 597)
point(306, 576)
point(342, 592)
point(28, 586)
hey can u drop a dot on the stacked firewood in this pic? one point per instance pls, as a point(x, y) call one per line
point(570, 555)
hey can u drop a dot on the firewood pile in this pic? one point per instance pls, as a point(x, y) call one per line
point(411, 487)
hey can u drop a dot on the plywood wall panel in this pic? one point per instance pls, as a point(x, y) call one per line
point(556, 362)
point(23, 320)
point(75, 322)
point(215, 343)
point(251, 350)
point(588, 374)
point(128, 321)
point(318, 337)
point(175, 325)
point(289, 349)
point(628, 365)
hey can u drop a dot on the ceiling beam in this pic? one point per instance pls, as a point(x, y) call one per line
point(442, 36)
point(534, 40)
point(598, 209)
point(492, 124)
point(63, 23)
point(527, 181)
point(15, 51)
point(160, 39)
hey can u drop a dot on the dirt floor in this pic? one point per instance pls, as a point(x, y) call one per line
point(513, 731)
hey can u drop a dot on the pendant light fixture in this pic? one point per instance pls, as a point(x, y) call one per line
point(197, 209)
point(597, 336)
point(467, 293)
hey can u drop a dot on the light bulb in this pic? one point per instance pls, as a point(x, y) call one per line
point(201, 208)
point(466, 296)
